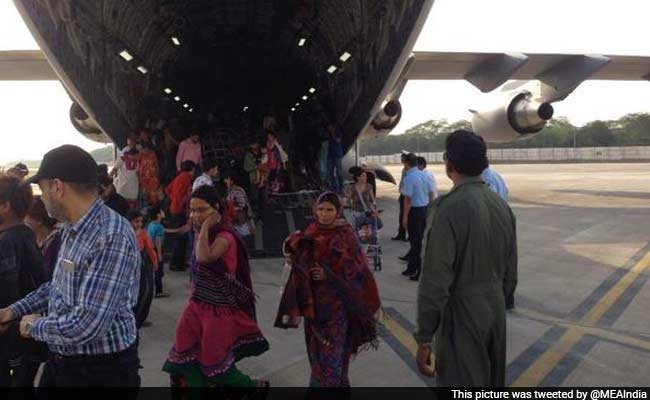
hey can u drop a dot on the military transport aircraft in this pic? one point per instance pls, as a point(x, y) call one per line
point(225, 63)
point(306, 61)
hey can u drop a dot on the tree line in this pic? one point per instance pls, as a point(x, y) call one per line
point(429, 136)
point(103, 155)
point(630, 130)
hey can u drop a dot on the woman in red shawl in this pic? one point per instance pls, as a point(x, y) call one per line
point(332, 287)
point(148, 174)
point(218, 326)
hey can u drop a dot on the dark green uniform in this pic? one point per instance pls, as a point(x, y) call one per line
point(469, 268)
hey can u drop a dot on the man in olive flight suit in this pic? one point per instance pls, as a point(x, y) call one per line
point(469, 269)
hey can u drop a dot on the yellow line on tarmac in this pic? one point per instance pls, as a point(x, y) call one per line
point(587, 330)
point(536, 373)
point(404, 337)
point(617, 291)
point(617, 337)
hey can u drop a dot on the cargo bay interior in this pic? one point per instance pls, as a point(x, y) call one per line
point(219, 67)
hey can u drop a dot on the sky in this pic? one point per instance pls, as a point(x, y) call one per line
point(35, 119)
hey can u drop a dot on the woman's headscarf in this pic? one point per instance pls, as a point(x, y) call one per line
point(333, 199)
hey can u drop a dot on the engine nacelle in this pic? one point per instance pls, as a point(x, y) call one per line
point(87, 126)
point(522, 116)
point(384, 122)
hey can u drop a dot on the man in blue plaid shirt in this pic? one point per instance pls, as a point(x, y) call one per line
point(89, 327)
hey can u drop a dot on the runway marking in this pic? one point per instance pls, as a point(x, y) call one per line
point(397, 334)
point(631, 341)
point(581, 311)
point(610, 318)
point(617, 291)
point(533, 352)
point(545, 364)
point(401, 334)
point(570, 362)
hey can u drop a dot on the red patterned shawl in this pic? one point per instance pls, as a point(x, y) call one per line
point(337, 250)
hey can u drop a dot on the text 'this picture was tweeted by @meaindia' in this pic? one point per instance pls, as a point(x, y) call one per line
point(568, 393)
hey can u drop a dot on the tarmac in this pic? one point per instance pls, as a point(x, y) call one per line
point(582, 301)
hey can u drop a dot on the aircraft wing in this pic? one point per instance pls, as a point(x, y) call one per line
point(25, 65)
point(487, 71)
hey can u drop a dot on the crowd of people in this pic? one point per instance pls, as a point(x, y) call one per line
point(418, 192)
point(75, 261)
point(143, 169)
point(79, 253)
point(144, 176)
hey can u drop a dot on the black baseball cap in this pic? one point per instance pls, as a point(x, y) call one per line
point(68, 163)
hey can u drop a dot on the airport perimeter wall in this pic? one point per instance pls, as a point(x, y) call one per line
point(540, 155)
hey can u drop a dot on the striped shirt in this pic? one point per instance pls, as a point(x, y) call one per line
point(90, 299)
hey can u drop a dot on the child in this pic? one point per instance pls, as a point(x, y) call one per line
point(365, 232)
point(149, 264)
point(157, 234)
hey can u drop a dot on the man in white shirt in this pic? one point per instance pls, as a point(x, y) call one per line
point(433, 189)
point(495, 182)
point(210, 172)
point(433, 192)
point(125, 172)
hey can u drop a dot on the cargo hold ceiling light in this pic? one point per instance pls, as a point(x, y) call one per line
point(304, 97)
point(177, 98)
point(142, 69)
point(126, 55)
point(293, 108)
point(185, 105)
point(297, 104)
point(312, 90)
point(345, 56)
point(191, 109)
point(302, 42)
point(332, 69)
point(168, 90)
point(176, 41)
point(245, 108)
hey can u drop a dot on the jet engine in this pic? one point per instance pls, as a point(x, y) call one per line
point(388, 117)
point(383, 123)
point(85, 125)
point(522, 115)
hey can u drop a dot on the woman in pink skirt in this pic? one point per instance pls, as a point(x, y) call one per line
point(218, 326)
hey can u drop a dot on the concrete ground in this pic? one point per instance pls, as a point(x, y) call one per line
point(582, 300)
